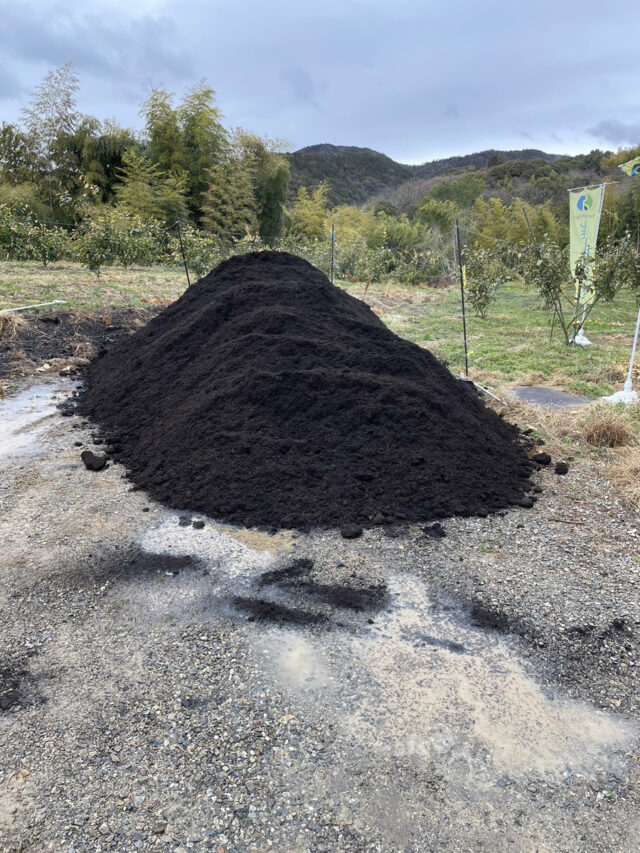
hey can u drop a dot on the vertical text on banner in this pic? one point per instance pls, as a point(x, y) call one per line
point(585, 207)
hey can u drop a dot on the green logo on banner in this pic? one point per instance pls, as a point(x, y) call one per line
point(585, 202)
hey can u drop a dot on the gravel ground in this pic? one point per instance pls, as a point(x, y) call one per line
point(170, 687)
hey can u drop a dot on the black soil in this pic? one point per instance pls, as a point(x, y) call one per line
point(11, 678)
point(64, 335)
point(297, 577)
point(261, 610)
point(267, 397)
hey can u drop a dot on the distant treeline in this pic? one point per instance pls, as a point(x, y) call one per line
point(71, 185)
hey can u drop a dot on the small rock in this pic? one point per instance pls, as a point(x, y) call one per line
point(562, 468)
point(198, 525)
point(67, 408)
point(542, 458)
point(93, 461)
point(434, 531)
point(350, 531)
point(103, 829)
point(160, 827)
point(526, 503)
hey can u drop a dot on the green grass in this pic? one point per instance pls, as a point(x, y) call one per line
point(513, 342)
point(511, 345)
point(29, 283)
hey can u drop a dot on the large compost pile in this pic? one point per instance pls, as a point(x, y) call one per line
point(265, 396)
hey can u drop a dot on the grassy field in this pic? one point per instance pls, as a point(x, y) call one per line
point(27, 283)
point(511, 345)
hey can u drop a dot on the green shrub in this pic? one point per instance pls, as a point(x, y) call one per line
point(485, 273)
point(110, 235)
point(47, 244)
point(96, 241)
point(202, 250)
point(13, 234)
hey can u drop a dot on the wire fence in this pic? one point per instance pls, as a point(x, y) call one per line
point(110, 237)
point(517, 335)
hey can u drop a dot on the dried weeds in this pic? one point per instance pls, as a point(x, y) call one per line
point(606, 426)
point(12, 326)
point(625, 474)
point(84, 350)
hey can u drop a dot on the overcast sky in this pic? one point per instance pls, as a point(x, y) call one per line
point(415, 79)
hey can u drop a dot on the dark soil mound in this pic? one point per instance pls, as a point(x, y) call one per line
point(266, 396)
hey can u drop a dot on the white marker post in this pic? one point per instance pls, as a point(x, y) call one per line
point(628, 395)
point(581, 339)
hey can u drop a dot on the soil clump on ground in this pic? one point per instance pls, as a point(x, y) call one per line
point(265, 396)
point(299, 577)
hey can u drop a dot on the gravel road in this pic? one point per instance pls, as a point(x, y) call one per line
point(172, 687)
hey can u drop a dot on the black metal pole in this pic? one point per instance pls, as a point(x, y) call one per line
point(333, 243)
point(464, 312)
point(184, 257)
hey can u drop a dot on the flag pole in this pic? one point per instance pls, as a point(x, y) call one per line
point(464, 312)
point(333, 243)
point(592, 186)
point(628, 395)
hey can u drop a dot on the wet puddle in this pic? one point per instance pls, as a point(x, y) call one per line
point(549, 398)
point(214, 545)
point(24, 416)
point(468, 697)
point(221, 562)
point(418, 683)
point(429, 689)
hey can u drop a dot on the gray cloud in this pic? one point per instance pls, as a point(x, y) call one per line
point(10, 86)
point(95, 43)
point(415, 80)
point(302, 87)
point(617, 132)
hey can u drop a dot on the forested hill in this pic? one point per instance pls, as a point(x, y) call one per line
point(355, 174)
point(479, 160)
point(358, 174)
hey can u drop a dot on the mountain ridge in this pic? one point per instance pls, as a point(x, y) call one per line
point(357, 174)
